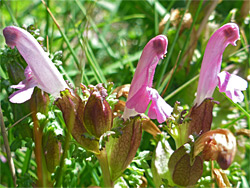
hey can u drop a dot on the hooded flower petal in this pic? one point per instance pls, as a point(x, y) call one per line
point(47, 77)
point(211, 64)
point(141, 93)
point(232, 85)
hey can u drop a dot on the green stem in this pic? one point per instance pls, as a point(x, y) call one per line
point(228, 125)
point(26, 162)
point(181, 88)
point(237, 105)
point(102, 158)
point(70, 126)
point(11, 14)
point(7, 148)
point(100, 35)
point(64, 155)
point(156, 19)
point(47, 27)
point(66, 40)
point(186, 42)
point(247, 107)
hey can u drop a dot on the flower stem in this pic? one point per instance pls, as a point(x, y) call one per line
point(102, 158)
point(38, 150)
point(7, 148)
point(62, 161)
point(212, 173)
point(65, 149)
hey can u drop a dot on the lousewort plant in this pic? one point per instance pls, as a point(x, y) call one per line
point(107, 124)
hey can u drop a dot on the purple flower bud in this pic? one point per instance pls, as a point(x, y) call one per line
point(97, 115)
point(72, 108)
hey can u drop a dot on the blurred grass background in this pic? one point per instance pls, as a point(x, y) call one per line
point(102, 41)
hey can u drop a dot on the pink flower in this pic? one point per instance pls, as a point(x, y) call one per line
point(40, 72)
point(211, 67)
point(141, 93)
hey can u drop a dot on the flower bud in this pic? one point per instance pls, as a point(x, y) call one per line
point(72, 108)
point(219, 145)
point(51, 148)
point(184, 171)
point(121, 150)
point(97, 115)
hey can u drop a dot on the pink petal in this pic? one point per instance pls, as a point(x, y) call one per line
point(232, 85)
point(158, 109)
point(139, 101)
point(21, 95)
point(48, 77)
point(211, 64)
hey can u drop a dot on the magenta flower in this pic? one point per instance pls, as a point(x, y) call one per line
point(232, 85)
point(141, 93)
point(40, 72)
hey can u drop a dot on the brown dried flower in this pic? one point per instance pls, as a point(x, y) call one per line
point(219, 145)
